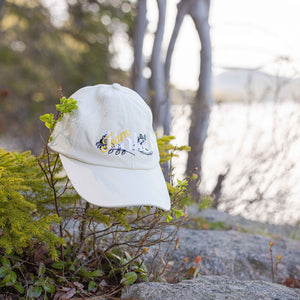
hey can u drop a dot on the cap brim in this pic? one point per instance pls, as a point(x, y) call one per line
point(116, 187)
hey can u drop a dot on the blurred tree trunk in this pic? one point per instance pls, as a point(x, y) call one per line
point(139, 83)
point(203, 101)
point(181, 12)
point(160, 96)
point(158, 92)
point(1, 6)
point(159, 104)
point(160, 74)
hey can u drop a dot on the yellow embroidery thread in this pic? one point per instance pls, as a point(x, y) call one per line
point(119, 138)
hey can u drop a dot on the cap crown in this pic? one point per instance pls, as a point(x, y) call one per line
point(112, 127)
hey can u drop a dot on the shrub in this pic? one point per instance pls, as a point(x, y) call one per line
point(21, 224)
point(54, 243)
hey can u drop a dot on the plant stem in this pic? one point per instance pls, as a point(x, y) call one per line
point(272, 267)
point(82, 234)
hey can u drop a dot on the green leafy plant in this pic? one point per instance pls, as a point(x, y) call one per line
point(66, 106)
point(63, 245)
point(42, 285)
point(13, 271)
point(21, 224)
point(9, 276)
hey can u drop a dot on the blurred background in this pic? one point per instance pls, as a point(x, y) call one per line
point(244, 106)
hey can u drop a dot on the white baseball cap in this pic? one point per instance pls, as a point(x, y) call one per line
point(109, 150)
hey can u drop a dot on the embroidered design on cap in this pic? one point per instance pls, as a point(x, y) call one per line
point(124, 143)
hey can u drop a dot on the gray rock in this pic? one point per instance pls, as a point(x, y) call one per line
point(239, 255)
point(210, 288)
point(241, 224)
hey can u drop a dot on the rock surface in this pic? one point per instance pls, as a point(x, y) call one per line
point(210, 288)
point(235, 264)
point(235, 254)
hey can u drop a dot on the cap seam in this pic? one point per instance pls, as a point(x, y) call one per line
point(130, 124)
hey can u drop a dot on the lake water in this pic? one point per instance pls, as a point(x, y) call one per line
point(259, 143)
point(260, 146)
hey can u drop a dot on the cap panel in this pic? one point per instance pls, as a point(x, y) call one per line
point(112, 139)
point(73, 135)
point(111, 127)
point(123, 139)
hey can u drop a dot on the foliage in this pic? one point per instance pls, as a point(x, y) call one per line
point(37, 54)
point(98, 250)
point(167, 151)
point(65, 106)
point(20, 222)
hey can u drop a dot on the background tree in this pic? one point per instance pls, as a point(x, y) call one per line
point(37, 56)
point(138, 81)
point(160, 76)
point(157, 80)
point(199, 11)
point(1, 5)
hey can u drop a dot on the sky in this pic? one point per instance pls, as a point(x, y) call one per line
point(244, 34)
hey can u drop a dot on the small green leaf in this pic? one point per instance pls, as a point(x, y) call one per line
point(96, 273)
point(92, 285)
point(181, 183)
point(66, 105)
point(13, 276)
point(46, 117)
point(9, 279)
point(72, 268)
point(42, 269)
point(5, 261)
point(144, 268)
point(169, 218)
point(116, 256)
point(144, 277)
point(60, 107)
point(49, 288)
point(128, 256)
point(34, 291)
point(129, 278)
point(19, 288)
point(178, 213)
point(6, 281)
point(49, 124)
point(4, 271)
point(40, 282)
point(59, 265)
